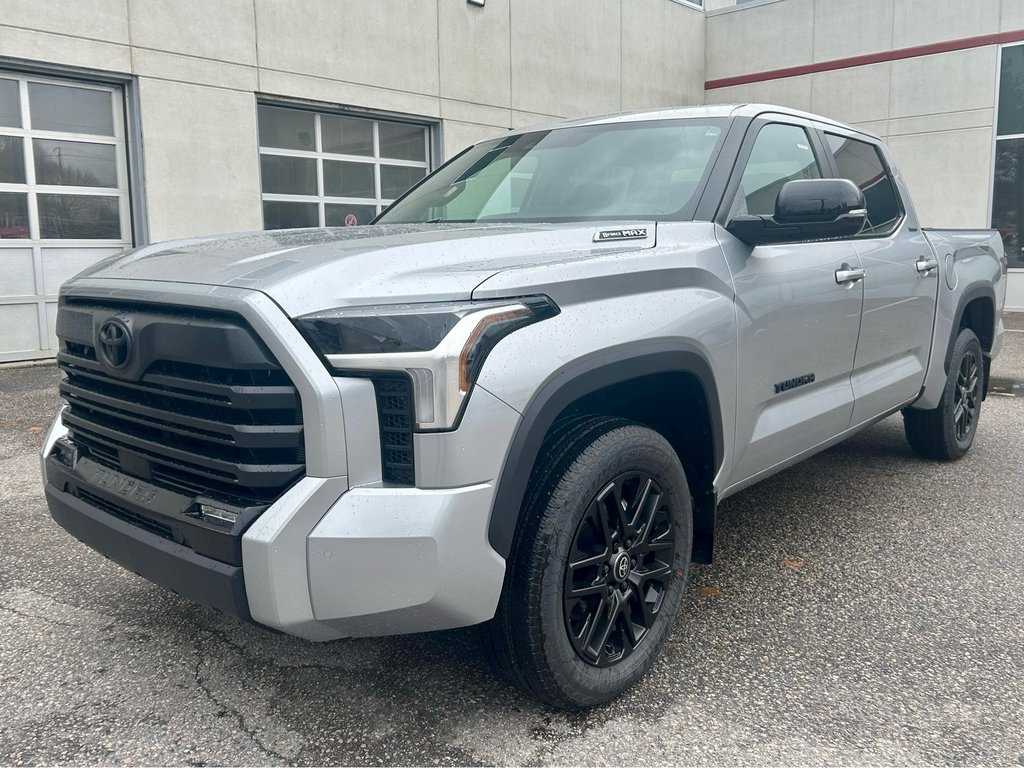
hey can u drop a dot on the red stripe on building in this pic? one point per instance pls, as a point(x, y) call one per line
point(962, 44)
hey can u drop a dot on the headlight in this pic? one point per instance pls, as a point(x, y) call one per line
point(442, 347)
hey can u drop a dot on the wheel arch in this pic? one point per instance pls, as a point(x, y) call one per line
point(976, 310)
point(597, 383)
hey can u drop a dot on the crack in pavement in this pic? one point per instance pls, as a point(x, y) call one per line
point(44, 619)
point(229, 709)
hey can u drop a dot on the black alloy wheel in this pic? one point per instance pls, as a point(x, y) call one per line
point(947, 431)
point(599, 563)
point(967, 395)
point(619, 567)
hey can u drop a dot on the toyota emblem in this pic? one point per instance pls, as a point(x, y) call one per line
point(115, 343)
point(621, 566)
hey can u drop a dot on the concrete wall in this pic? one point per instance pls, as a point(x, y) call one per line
point(930, 107)
point(478, 71)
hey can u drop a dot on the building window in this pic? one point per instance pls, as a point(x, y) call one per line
point(319, 169)
point(64, 200)
point(1008, 182)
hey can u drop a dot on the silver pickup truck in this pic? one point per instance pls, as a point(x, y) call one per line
point(518, 397)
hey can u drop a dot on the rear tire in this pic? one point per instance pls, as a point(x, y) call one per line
point(588, 604)
point(947, 432)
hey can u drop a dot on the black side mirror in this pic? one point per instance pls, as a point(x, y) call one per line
point(805, 210)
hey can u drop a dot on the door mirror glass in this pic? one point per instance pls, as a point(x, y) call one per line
point(807, 209)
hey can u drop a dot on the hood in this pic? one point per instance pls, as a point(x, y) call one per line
point(310, 270)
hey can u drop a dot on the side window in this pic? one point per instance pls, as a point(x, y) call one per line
point(781, 153)
point(861, 163)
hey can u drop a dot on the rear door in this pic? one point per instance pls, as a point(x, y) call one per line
point(900, 283)
point(797, 326)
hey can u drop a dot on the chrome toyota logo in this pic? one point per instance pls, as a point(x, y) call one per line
point(620, 567)
point(115, 343)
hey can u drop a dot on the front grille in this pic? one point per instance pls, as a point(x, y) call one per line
point(395, 416)
point(203, 409)
point(121, 513)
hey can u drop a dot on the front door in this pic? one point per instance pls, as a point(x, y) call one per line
point(797, 323)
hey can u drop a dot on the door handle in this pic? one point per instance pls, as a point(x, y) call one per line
point(847, 274)
point(924, 265)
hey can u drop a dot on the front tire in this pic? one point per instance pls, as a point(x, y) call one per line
point(599, 568)
point(947, 432)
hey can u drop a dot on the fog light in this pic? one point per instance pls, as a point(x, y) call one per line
point(218, 514)
point(65, 452)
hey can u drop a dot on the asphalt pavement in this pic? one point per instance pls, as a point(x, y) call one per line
point(865, 607)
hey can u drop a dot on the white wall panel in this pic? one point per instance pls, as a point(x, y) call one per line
point(201, 159)
point(920, 22)
point(51, 325)
point(17, 272)
point(561, 65)
point(19, 329)
point(474, 49)
point(946, 82)
point(857, 95)
point(947, 174)
point(842, 29)
point(61, 264)
point(757, 39)
point(223, 30)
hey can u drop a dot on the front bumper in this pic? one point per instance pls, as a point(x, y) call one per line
point(176, 567)
point(327, 561)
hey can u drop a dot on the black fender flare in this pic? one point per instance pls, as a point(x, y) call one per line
point(568, 384)
point(978, 291)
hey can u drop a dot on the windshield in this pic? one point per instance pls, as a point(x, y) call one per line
point(633, 170)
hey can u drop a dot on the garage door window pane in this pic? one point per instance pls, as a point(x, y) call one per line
point(10, 105)
point(278, 215)
point(69, 109)
point(79, 217)
point(396, 179)
point(348, 179)
point(403, 142)
point(287, 128)
point(12, 160)
point(349, 215)
point(13, 216)
point(75, 163)
point(288, 175)
point(346, 135)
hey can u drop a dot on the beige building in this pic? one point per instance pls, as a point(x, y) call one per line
point(130, 121)
point(941, 80)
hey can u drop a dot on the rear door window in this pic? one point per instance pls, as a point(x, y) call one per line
point(861, 163)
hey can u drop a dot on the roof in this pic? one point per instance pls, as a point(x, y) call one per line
point(706, 111)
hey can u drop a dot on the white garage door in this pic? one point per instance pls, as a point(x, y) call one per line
point(63, 198)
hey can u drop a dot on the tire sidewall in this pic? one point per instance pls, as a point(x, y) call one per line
point(966, 342)
point(620, 450)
